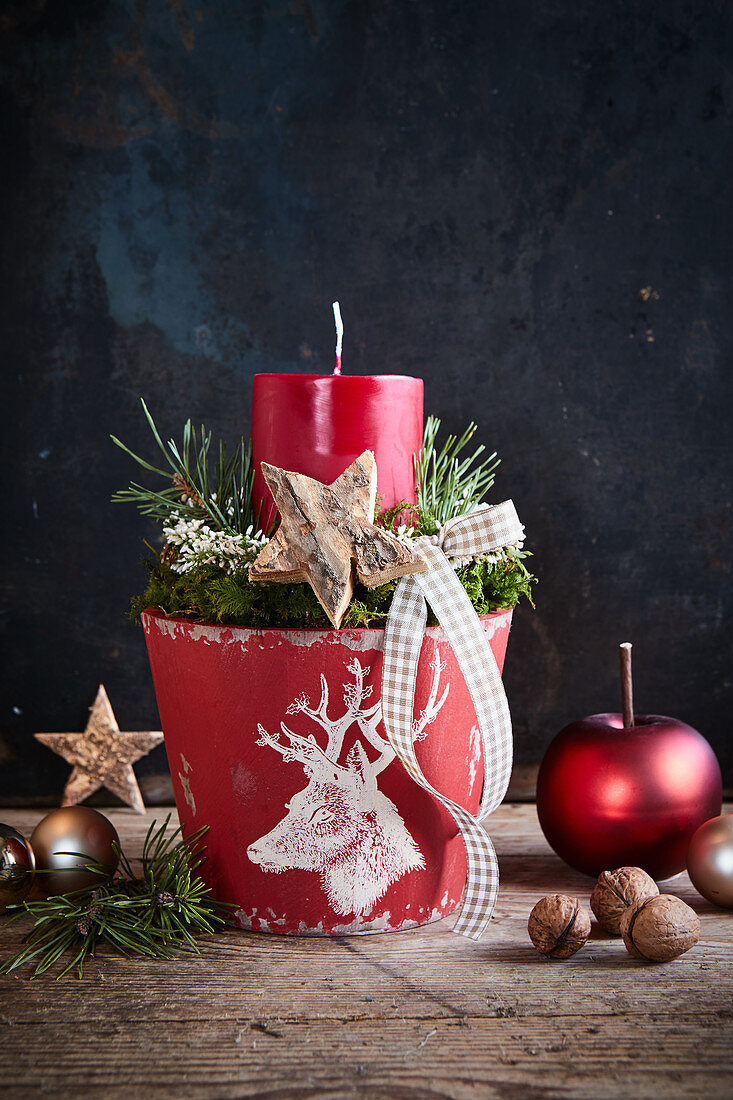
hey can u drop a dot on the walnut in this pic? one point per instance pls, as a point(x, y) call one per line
point(660, 928)
point(615, 891)
point(558, 926)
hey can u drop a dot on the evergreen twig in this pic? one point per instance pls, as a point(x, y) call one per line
point(157, 914)
point(221, 495)
point(448, 485)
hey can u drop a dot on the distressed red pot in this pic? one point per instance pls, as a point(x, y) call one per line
point(275, 741)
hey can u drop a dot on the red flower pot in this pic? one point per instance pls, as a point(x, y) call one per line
point(275, 741)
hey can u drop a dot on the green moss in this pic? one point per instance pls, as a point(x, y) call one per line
point(494, 586)
point(411, 515)
point(212, 596)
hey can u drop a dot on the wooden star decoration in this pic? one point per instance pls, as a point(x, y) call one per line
point(326, 535)
point(102, 755)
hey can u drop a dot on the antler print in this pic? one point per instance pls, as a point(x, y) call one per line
point(335, 729)
point(433, 705)
point(305, 750)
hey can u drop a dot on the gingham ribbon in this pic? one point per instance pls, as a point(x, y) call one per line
point(488, 528)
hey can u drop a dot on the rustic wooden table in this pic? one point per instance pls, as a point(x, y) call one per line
point(421, 1014)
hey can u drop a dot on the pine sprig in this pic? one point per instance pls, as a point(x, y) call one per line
point(448, 485)
point(220, 492)
point(157, 914)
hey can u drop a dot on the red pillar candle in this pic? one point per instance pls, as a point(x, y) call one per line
point(317, 424)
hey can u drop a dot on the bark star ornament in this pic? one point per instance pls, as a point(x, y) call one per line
point(102, 755)
point(326, 534)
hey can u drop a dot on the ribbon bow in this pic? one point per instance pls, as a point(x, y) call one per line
point(490, 527)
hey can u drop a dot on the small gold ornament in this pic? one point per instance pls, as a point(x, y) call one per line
point(710, 860)
point(102, 755)
point(16, 866)
point(66, 842)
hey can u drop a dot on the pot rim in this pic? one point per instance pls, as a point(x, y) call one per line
point(159, 614)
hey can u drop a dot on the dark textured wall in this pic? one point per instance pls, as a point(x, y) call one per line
point(525, 202)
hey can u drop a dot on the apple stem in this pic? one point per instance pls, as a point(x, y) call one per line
point(627, 688)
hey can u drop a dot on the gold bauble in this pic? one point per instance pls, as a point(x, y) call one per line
point(66, 841)
point(710, 860)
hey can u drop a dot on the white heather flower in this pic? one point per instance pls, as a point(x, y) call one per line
point(492, 558)
point(198, 544)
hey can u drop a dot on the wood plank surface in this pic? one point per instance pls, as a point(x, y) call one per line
point(421, 1015)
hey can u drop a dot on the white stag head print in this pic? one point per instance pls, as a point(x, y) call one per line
point(341, 825)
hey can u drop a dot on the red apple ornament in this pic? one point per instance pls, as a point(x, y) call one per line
point(622, 790)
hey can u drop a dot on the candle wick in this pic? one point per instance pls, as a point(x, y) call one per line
point(339, 336)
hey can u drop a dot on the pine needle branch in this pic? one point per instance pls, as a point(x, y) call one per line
point(156, 914)
point(448, 485)
point(218, 490)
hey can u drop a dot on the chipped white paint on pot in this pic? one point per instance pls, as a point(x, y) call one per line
point(276, 743)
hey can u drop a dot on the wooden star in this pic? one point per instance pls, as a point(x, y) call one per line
point(102, 755)
point(326, 534)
